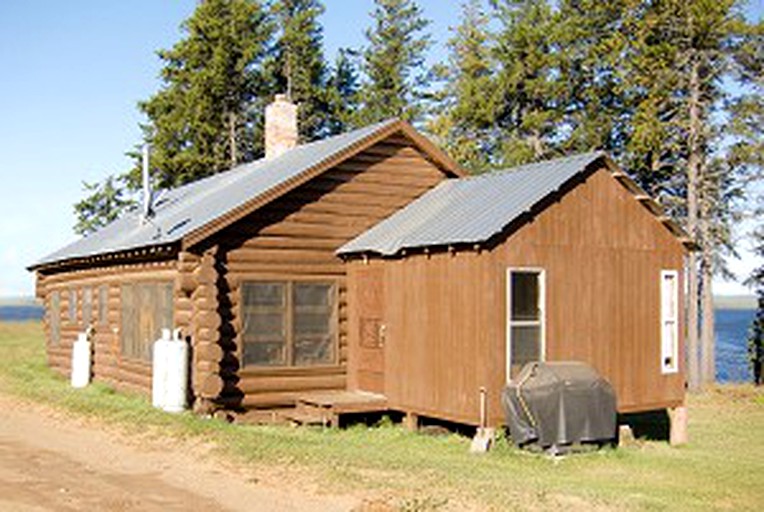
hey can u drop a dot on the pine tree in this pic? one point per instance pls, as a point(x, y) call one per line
point(105, 202)
point(593, 39)
point(299, 67)
point(678, 69)
point(464, 125)
point(395, 81)
point(201, 121)
point(343, 91)
point(207, 117)
point(528, 111)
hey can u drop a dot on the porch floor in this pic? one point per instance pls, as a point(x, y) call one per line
point(318, 408)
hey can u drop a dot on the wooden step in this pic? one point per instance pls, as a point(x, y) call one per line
point(309, 418)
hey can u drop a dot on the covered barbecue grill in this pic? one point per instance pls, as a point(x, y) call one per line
point(557, 404)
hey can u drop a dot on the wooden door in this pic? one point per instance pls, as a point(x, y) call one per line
point(371, 330)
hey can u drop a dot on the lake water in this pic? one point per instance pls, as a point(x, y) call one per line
point(731, 338)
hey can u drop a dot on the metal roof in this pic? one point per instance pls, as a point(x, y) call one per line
point(469, 210)
point(180, 211)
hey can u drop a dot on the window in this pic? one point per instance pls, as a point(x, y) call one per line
point(525, 332)
point(87, 306)
point(669, 321)
point(103, 304)
point(72, 311)
point(288, 323)
point(146, 310)
point(55, 318)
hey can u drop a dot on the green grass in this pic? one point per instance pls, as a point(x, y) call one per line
point(721, 468)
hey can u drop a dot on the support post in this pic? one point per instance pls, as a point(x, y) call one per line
point(411, 421)
point(678, 425)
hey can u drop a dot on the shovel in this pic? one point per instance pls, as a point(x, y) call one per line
point(484, 436)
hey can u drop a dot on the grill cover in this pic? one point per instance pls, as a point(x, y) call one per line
point(559, 403)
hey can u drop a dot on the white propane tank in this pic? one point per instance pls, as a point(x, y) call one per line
point(159, 370)
point(177, 374)
point(81, 361)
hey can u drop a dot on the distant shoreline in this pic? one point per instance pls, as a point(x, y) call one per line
point(735, 302)
point(18, 301)
point(720, 302)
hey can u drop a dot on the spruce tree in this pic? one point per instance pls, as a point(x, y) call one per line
point(679, 70)
point(342, 89)
point(528, 110)
point(201, 121)
point(105, 202)
point(592, 39)
point(395, 80)
point(466, 103)
point(299, 67)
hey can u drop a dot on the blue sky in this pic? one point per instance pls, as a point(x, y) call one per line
point(71, 74)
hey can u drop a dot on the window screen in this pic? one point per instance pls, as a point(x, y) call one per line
point(313, 321)
point(72, 314)
point(55, 318)
point(87, 306)
point(265, 315)
point(103, 304)
point(146, 310)
point(526, 319)
point(288, 323)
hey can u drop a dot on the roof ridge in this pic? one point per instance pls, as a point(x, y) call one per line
point(541, 163)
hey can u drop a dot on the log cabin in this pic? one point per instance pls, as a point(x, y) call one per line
point(368, 271)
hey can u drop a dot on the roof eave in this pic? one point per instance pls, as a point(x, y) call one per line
point(650, 204)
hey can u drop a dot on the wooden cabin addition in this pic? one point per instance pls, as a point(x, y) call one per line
point(585, 267)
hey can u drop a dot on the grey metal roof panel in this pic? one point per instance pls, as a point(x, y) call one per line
point(469, 210)
point(180, 211)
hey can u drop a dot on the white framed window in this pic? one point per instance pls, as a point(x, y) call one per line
point(669, 321)
point(525, 318)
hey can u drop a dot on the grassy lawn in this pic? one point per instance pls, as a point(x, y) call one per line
point(721, 468)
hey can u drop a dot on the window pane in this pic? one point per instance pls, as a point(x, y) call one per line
point(313, 314)
point(264, 325)
point(72, 306)
point(264, 353)
point(146, 310)
point(87, 306)
point(525, 296)
point(316, 322)
point(103, 304)
point(526, 345)
point(312, 294)
point(313, 350)
point(264, 329)
point(55, 318)
point(263, 294)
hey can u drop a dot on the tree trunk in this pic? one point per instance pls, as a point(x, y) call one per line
point(693, 172)
point(707, 358)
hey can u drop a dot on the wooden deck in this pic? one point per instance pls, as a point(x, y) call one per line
point(319, 408)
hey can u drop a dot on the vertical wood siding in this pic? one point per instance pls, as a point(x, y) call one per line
point(602, 253)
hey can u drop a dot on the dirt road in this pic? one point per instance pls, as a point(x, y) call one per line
point(52, 462)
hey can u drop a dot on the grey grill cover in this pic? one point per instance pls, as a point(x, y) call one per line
point(568, 402)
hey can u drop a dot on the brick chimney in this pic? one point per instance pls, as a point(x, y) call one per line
point(280, 126)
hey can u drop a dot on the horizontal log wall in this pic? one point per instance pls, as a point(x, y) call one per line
point(295, 238)
point(108, 364)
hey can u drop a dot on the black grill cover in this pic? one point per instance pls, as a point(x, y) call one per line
point(559, 403)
